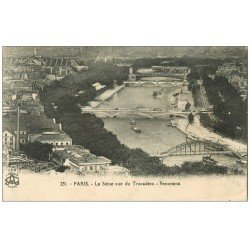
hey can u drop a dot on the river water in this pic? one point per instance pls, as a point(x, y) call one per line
point(142, 97)
point(155, 136)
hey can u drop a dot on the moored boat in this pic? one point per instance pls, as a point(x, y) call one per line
point(173, 123)
point(137, 130)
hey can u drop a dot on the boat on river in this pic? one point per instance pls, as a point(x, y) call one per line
point(174, 123)
point(132, 122)
point(193, 137)
point(157, 92)
point(137, 130)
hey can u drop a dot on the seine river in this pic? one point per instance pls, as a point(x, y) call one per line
point(155, 136)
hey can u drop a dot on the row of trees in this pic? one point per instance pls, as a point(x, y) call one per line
point(105, 73)
point(228, 107)
point(230, 112)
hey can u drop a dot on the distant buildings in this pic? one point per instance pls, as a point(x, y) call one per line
point(237, 81)
point(236, 75)
point(38, 70)
point(169, 71)
point(28, 100)
point(17, 85)
point(227, 69)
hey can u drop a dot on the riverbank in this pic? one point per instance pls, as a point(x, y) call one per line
point(105, 96)
point(152, 84)
point(201, 132)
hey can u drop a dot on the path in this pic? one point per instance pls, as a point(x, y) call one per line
point(203, 133)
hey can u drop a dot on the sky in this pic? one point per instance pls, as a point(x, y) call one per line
point(119, 51)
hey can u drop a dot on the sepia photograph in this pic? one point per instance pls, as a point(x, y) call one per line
point(124, 123)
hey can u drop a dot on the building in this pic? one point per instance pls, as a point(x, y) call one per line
point(10, 132)
point(31, 127)
point(237, 81)
point(131, 76)
point(145, 72)
point(179, 72)
point(182, 105)
point(98, 86)
point(18, 85)
point(55, 138)
point(14, 160)
point(10, 137)
point(80, 159)
point(227, 70)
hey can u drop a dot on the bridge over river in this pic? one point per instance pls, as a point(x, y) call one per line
point(200, 147)
point(150, 113)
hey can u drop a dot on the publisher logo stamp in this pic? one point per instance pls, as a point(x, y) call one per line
point(12, 179)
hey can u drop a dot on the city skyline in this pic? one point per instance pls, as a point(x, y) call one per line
point(91, 52)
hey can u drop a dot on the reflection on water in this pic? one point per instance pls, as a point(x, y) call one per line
point(133, 97)
point(155, 137)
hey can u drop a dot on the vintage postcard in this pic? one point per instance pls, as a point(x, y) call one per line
point(124, 123)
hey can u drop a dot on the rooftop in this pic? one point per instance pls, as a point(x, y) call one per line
point(98, 86)
point(28, 122)
point(79, 155)
point(53, 137)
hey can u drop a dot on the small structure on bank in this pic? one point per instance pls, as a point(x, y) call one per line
point(98, 86)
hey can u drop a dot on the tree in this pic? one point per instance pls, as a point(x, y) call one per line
point(190, 118)
point(67, 104)
point(187, 106)
point(37, 150)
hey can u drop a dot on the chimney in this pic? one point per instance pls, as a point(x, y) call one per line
point(54, 120)
point(18, 129)
point(60, 126)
